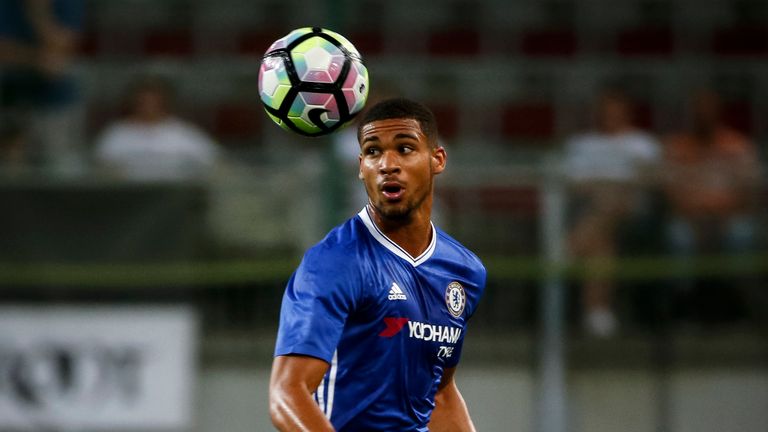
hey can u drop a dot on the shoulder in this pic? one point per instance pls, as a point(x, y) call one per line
point(582, 141)
point(338, 251)
point(462, 258)
point(640, 137)
point(114, 135)
point(643, 142)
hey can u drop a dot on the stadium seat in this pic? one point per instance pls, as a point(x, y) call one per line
point(545, 43)
point(256, 42)
point(528, 120)
point(171, 43)
point(740, 41)
point(447, 119)
point(454, 43)
point(236, 120)
point(369, 43)
point(738, 115)
point(517, 200)
point(645, 41)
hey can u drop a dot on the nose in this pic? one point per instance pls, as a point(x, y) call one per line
point(389, 163)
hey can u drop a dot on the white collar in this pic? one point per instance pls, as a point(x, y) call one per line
point(394, 247)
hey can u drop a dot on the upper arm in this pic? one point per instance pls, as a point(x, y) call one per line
point(447, 379)
point(296, 372)
point(450, 413)
point(291, 405)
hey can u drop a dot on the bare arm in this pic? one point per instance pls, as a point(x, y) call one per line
point(56, 47)
point(291, 406)
point(450, 413)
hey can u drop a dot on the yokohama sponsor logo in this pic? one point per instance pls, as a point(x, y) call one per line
point(420, 330)
point(433, 333)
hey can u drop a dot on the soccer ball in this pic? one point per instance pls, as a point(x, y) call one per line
point(312, 81)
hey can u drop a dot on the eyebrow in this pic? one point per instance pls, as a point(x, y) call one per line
point(401, 135)
point(407, 135)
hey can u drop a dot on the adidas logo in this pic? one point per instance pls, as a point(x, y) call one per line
point(395, 293)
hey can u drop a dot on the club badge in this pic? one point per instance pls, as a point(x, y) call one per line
point(455, 298)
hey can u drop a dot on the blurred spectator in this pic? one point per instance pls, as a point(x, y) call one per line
point(13, 148)
point(38, 42)
point(712, 171)
point(604, 167)
point(151, 143)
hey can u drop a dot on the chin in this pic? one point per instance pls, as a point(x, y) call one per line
point(394, 211)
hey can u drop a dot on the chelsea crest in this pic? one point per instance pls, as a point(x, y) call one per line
point(455, 298)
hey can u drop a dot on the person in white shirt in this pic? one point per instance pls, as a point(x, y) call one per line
point(151, 143)
point(605, 167)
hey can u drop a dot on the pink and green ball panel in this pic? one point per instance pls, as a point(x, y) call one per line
point(318, 60)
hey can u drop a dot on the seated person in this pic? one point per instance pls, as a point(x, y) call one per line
point(604, 167)
point(712, 171)
point(151, 143)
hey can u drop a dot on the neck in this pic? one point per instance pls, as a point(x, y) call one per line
point(150, 118)
point(618, 129)
point(413, 232)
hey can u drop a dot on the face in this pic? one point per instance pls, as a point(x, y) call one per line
point(397, 165)
point(150, 104)
point(612, 113)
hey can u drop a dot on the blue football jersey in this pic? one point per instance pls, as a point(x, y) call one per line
point(388, 324)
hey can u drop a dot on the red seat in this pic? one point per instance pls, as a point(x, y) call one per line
point(172, 43)
point(740, 41)
point(519, 200)
point(256, 42)
point(447, 119)
point(369, 43)
point(738, 115)
point(554, 42)
point(506, 200)
point(237, 120)
point(645, 41)
point(454, 43)
point(528, 120)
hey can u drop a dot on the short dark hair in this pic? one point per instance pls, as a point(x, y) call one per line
point(401, 108)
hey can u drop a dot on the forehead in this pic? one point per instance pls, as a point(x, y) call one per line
point(380, 129)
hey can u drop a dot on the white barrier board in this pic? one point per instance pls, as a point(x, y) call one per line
point(96, 367)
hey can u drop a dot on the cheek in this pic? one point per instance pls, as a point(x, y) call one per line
point(367, 174)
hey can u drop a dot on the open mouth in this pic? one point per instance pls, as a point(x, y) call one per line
point(392, 190)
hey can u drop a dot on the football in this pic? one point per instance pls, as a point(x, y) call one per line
point(312, 81)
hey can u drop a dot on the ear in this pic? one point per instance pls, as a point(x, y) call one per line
point(438, 160)
point(360, 166)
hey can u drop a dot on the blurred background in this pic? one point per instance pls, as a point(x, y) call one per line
point(606, 162)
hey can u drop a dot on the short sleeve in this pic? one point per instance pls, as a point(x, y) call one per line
point(478, 278)
point(317, 301)
point(453, 360)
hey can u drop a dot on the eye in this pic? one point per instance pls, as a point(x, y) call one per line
point(405, 149)
point(371, 151)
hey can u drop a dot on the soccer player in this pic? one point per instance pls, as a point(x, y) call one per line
point(373, 320)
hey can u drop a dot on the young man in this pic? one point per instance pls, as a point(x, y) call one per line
point(373, 320)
